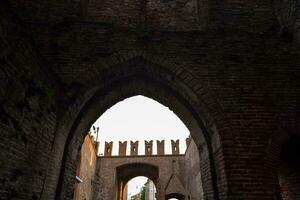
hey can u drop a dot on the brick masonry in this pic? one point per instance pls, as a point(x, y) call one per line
point(237, 68)
point(177, 174)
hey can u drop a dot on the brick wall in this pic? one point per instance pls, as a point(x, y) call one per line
point(242, 72)
point(193, 173)
point(86, 170)
point(108, 172)
point(27, 114)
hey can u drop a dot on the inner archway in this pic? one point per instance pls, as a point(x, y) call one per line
point(126, 173)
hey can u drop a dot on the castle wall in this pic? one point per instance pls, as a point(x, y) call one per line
point(86, 171)
point(107, 188)
point(177, 173)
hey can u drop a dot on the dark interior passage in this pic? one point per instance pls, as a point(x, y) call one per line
point(289, 170)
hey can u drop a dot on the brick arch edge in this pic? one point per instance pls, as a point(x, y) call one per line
point(134, 65)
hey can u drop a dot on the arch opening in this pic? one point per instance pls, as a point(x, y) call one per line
point(184, 103)
point(128, 172)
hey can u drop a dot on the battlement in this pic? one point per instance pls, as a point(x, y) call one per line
point(148, 149)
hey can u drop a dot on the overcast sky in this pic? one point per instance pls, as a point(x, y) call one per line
point(140, 118)
point(135, 185)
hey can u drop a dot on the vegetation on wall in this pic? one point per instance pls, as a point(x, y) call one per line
point(143, 193)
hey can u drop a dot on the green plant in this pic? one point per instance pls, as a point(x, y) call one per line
point(143, 193)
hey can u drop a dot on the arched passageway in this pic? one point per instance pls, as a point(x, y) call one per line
point(165, 87)
point(129, 171)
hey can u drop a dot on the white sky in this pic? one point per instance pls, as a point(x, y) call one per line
point(140, 118)
point(135, 185)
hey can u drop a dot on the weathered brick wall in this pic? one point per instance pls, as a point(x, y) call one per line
point(193, 179)
point(86, 170)
point(183, 15)
point(27, 131)
point(27, 113)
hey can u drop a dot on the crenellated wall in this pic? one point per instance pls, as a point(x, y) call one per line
point(176, 173)
point(148, 148)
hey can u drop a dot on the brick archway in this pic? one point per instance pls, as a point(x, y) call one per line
point(171, 86)
point(129, 171)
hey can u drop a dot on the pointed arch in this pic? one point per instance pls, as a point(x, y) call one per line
point(141, 74)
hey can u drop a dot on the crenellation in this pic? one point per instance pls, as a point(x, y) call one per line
point(91, 137)
point(108, 149)
point(122, 148)
point(160, 147)
point(175, 147)
point(134, 148)
point(97, 147)
point(149, 147)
